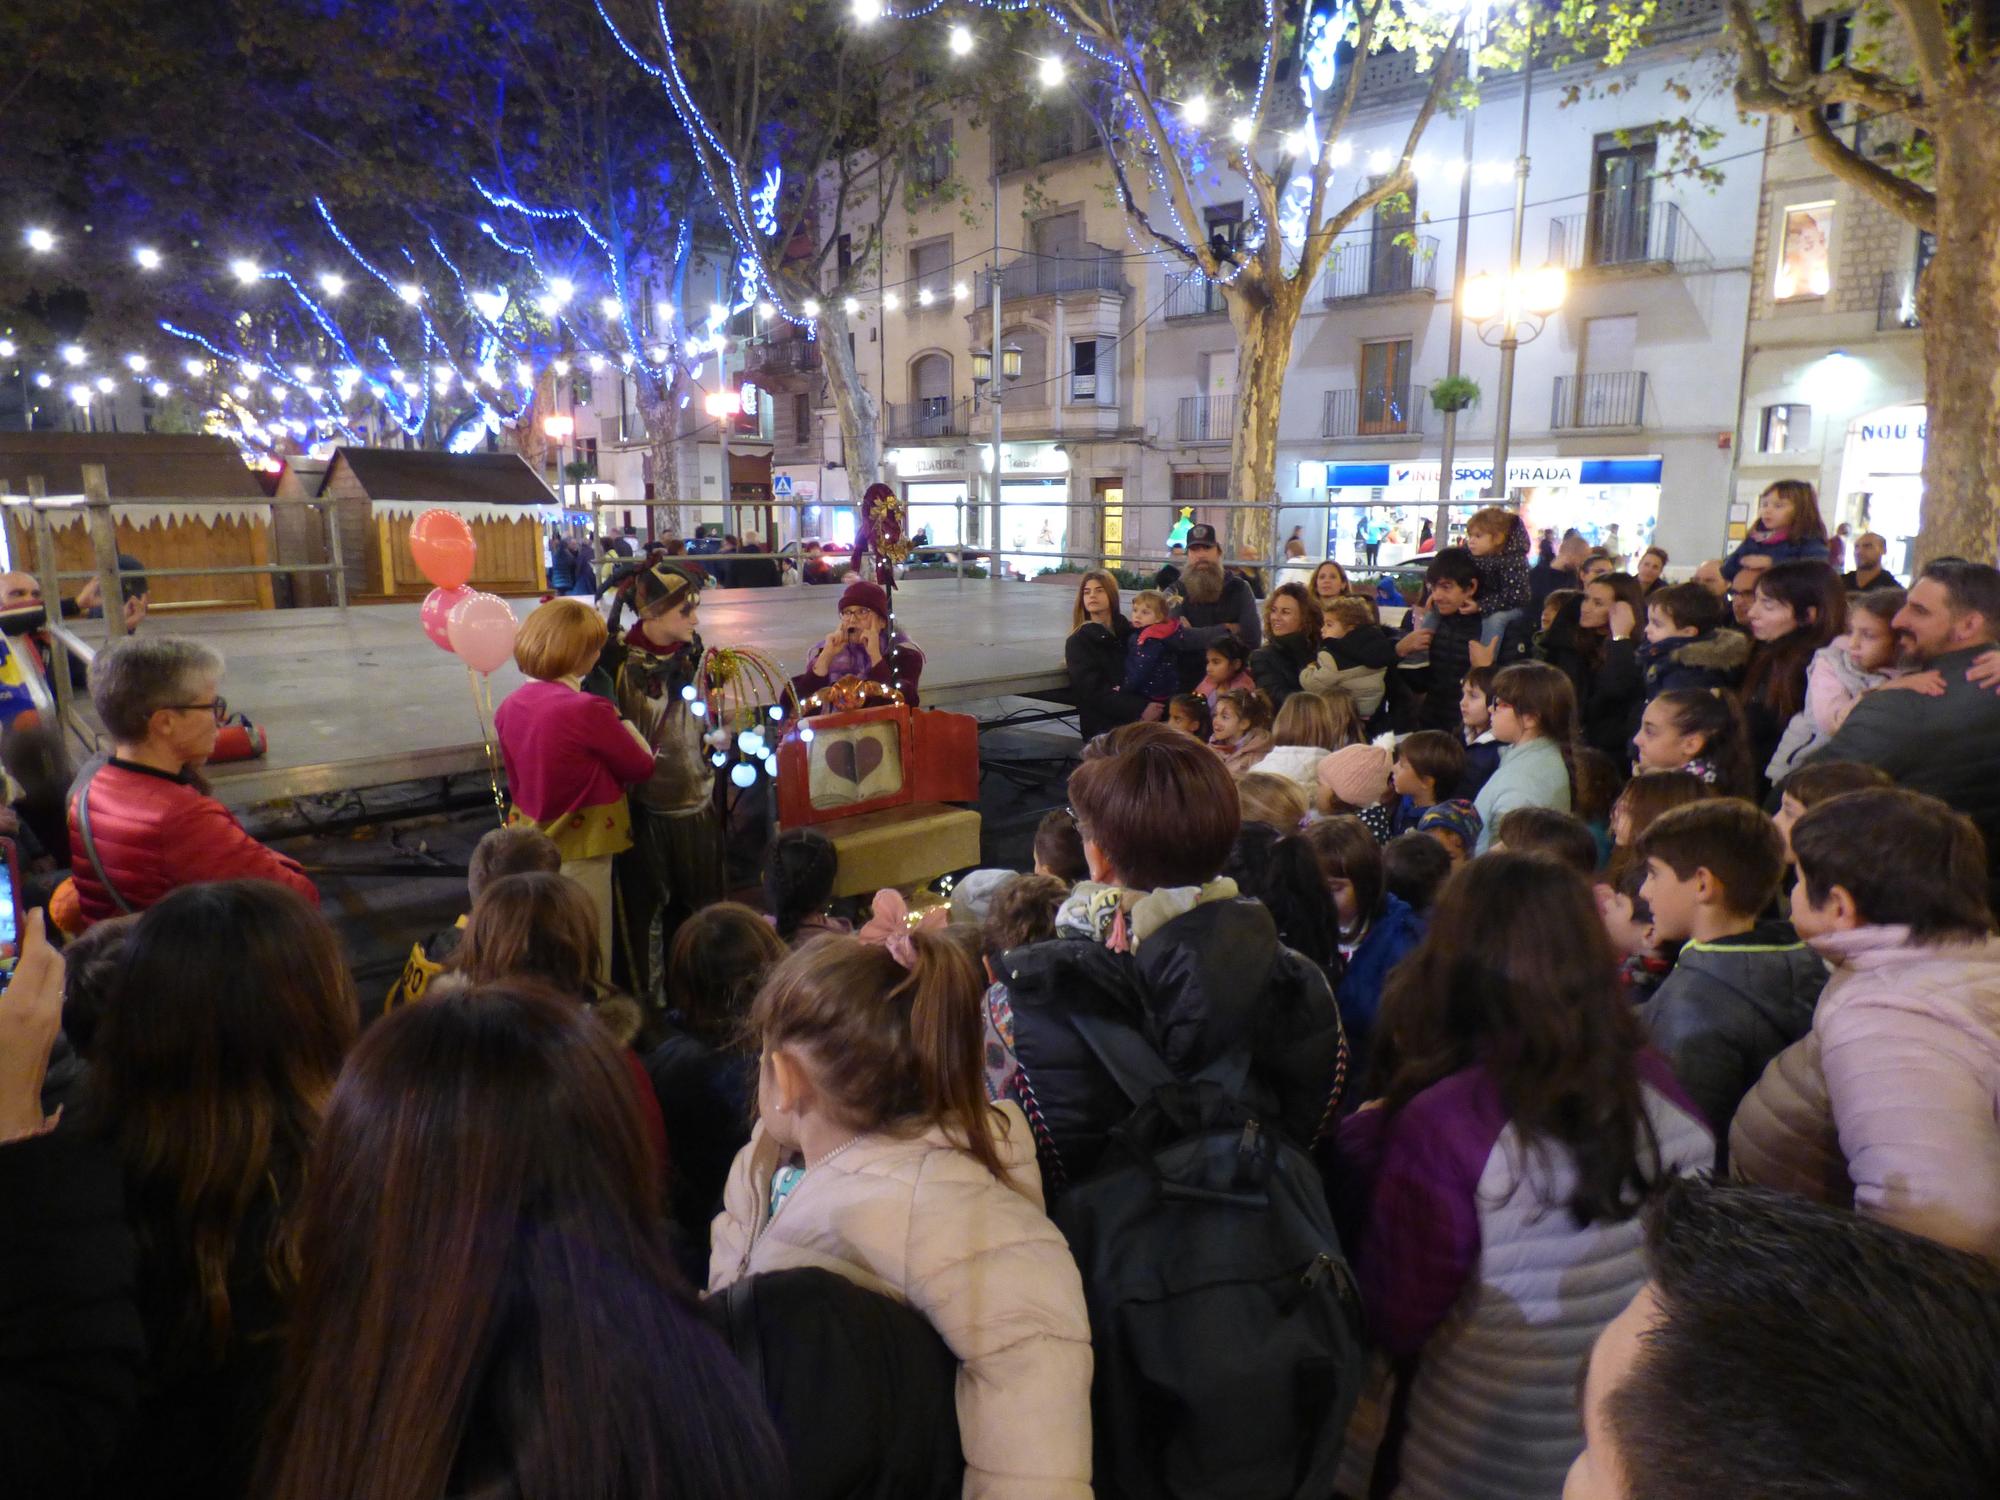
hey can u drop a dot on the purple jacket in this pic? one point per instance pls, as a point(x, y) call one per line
point(1471, 1261)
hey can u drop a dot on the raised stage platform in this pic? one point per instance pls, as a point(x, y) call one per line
point(359, 698)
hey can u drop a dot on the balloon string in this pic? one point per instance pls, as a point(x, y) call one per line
point(482, 706)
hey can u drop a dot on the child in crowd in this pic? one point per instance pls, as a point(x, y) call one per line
point(1377, 928)
point(1188, 712)
point(1453, 581)
point(1553, 606)
point(1152, 666)
point(1498, 541)
point(1640, 805)
point(1059, 848)
point(1228, 670)
point(1522, 1126)
point(544, 927)
point(1415, 867)
point(1698, 731)
point(1534, 719)
point(799, 872)
point(1628, 922)
point(1277, 801)
point(1742, 989)
point(1356, 654)
point(1597, 780)
point(1242, 728)
point(1278, 869)
point(1689, 643)
point(500, 851)
point(1429, 765)
point(705, 1080)
point(1894, 1098)
point(1560, 836)
point(1023, 912)
point(1354, 782)
point(878, 1156)
point(1475, 727)
point(1455, 825)
point(1842, 670)
point(1789, 527)
point(1809, 786)
point(1304, 733)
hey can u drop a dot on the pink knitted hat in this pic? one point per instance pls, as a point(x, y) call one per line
point(1357, 775)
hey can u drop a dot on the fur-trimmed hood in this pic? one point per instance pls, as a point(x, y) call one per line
point(1721, 650)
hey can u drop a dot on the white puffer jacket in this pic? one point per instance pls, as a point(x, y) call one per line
point(919, 1219)
point(1296, 763)
point(1908, 1041)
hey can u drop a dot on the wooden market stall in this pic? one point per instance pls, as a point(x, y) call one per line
point(380, 491)
point(222, 522)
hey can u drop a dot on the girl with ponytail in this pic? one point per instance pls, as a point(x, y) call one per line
point(877, 1156)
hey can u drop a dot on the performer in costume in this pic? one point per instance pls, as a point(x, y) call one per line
point(676, 864)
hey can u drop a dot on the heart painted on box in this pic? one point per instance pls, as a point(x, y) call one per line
point(852, 760)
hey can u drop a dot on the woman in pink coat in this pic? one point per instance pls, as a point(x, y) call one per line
point(1894, 1096)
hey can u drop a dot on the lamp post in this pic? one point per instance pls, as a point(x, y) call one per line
point(557, 427)
point(723, 405)
point(1504, 419)
point(1510, 310)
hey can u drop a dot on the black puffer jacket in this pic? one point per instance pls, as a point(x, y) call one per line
point(1210, 980)
point(1095, 657)
point(1276, 664)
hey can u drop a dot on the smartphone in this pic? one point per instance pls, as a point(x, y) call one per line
point(10, 910)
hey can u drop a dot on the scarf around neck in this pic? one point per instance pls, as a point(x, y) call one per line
point(1121, 918)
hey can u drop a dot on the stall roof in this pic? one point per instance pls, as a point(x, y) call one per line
point(440, 478)
point(137, 465)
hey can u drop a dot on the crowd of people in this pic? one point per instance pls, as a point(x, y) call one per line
point(1416, 1064)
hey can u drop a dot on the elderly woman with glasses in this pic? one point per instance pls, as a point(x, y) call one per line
point(141, 822)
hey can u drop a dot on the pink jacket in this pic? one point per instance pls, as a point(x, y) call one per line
point(1908, 1076)
point(919, 1219)
point(568, 752)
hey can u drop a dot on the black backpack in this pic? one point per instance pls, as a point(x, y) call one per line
point(1223, 1319)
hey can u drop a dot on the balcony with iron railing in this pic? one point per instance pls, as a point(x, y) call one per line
point(1625, 235)
point(1612, 399)
point(1896, 302)
point(1088, 268)
point(1373, 264)
point(933, 417)
point(1374, 412)
point(1192, 295)
point(1207, 419)
point(790, 356)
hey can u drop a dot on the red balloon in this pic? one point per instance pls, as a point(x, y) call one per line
point(443, 547)
point(436, 614)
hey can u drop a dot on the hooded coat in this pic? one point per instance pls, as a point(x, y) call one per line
point(1715, 660)
point(1727, 1009)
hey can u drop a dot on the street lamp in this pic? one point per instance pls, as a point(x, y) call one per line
point(557, 427)
point(1510, 310)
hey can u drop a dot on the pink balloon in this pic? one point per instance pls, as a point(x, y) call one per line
point(482, 632)
point(436, 613)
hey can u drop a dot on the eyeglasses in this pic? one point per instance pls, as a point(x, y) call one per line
point(219, 707)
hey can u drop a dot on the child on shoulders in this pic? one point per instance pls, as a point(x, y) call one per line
point(1789, 528)
point(1498, 541)
point(1742, 989)
point(877, 1156)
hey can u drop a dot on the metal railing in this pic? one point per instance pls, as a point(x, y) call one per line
point(1374, 411)
point(102, 526)
point(1373, 264)
point(1091, 268)
point(938, 417)
point(1207, 419)
point(1192, 295)
point(1625, 233)
point(1896, 302)
point(793, 356)
point(1615, 399)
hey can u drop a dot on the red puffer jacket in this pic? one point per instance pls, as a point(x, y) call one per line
point(155, 833)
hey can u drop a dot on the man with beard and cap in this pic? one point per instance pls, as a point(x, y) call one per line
point(675, 865)
point(1210, 602)
point(1941, 733)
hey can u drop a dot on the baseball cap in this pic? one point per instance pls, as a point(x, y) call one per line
point(1202, 536)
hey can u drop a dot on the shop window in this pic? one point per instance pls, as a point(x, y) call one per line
point(1090, 380)
point(1786, 428)
point(1805, 259)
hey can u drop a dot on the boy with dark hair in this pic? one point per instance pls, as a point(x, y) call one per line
point(1644, 962)
point(1429, 766)
point(1415, 867)
point(1560, 836)
point(1453, 582)
point(503, 851)
point(1807, 787)
point(1023, 912)
point(1742, 989)
point(1688, 644)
